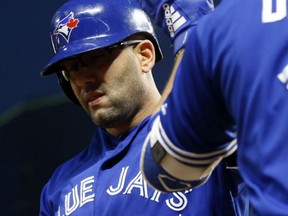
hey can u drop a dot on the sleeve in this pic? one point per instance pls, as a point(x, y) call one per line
point(45, 209)
point(240, 75)
point(175, 17)
point(189, 135)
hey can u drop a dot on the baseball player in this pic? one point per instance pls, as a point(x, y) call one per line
point(233, 75)
point(104, 53)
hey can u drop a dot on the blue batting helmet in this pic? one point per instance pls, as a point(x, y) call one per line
point(83, 25)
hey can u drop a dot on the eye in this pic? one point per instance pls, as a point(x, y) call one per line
point(74, 67)
point(68, 67)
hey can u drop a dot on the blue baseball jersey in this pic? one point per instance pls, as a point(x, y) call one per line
point(234, 75)
point(105, 179)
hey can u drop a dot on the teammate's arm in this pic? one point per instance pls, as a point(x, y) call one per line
point(175, 17)
point(165, 166)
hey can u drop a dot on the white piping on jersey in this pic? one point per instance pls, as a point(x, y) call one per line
point(186, 165)
point(191, 158)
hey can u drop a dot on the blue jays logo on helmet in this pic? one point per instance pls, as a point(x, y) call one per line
point(65, 27)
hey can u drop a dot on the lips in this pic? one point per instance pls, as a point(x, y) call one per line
point(93, 98)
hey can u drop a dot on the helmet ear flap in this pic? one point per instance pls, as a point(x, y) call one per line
point(67, 88)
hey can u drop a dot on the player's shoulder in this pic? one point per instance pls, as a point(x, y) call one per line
point(83, 160)
point(230, 13)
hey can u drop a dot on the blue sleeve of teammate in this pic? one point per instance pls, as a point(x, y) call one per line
point(234, 69)
point(189, 136)
point(175, 17)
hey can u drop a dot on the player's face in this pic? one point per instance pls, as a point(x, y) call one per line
point(111, 88)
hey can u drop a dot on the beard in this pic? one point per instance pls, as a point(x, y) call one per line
point(121, 110)
point(112, 117)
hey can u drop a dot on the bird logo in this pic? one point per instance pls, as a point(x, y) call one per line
point(65, 26)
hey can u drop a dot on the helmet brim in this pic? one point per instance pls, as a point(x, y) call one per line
point(78, 47)
point(72, 49)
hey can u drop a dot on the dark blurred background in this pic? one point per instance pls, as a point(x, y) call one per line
point(39, 127)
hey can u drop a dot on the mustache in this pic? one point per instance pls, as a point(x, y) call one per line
point(91, 87)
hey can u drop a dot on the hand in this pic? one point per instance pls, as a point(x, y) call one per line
point(175, 17)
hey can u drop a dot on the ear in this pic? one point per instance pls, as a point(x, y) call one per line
point(146, 54)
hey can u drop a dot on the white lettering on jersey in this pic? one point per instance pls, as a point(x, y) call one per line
point(58, 212)
point(283, 76)
point(164, 108)
point(138, 182)
point(113, 191)
point(180, 205)
point(273, 14)
point(85, 194)
point(177, 202)
point(79, 196)
point(174, 20)
point(75, 201)
point(156, 196)
point(86, 189)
